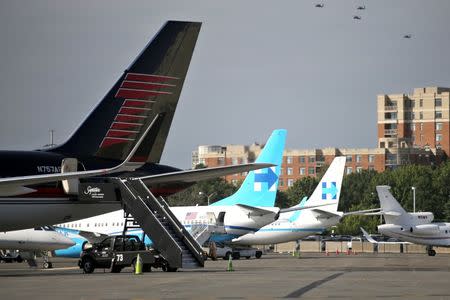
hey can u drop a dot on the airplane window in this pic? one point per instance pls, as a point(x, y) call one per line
point(87, 225)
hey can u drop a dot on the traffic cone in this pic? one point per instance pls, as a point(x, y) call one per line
point(138, 265)
point(230, 264)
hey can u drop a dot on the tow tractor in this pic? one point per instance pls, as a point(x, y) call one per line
point(118, 252)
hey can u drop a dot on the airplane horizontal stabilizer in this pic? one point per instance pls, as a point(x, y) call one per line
point(365, 212)
point(11, 185)
point(202, 174)
point(296, 208)
point(255, 211)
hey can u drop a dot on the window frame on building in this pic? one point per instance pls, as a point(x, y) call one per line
point(313, 171)
point(302, 171)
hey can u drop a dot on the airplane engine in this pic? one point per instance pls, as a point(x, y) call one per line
point(426, 229)
point(74, 251)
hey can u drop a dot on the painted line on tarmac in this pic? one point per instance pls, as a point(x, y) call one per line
point(63, 268)
point(303, 290)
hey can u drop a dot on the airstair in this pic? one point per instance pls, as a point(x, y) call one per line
point(154, 216)
point(202, 232)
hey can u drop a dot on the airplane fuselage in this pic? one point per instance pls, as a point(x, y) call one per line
point(432, 234)
point(47, 203)
point(37, 239)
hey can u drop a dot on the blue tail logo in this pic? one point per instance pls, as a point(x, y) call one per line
point(269, 177)
point(332, 190)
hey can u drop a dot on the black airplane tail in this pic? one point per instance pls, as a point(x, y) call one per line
point(147, 93)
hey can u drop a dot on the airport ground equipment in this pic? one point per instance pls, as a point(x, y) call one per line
point(118, 252)
point(171, 241)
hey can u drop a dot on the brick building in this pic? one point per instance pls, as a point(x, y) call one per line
point(411, 129)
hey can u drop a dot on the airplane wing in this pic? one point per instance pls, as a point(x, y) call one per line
point(11, 186)
point(295, 208)
point(373, 241)
point(383, 213)
point(202, 174)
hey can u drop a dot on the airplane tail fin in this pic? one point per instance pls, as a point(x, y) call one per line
point(148, 91)
point(260, 187)
point(329, 188)
point(390, 208)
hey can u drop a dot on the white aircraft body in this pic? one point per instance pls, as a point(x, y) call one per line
point(415, 228)
point(295, 225)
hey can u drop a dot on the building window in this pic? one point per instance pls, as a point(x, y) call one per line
point(311, 171)
point(281, 171)
point(349, 158)
point(302, 171)
point(421, 102)
point(413, 126)
point(371, 168)
point(290, 182)
point(438, 102)
point(438, 126)
point(244, 173)
point(234, 161)
point(221, 161)
point(359, 169)
point(421, 138)
point(421, 126)
point(438, 137)
point(438, 114)
point(289, 159)
point(281, 182)
point(349, 170)
point(371, 158)
point(358, 158)
point(421, 115)
point(290, 171)
point(311, 159)
point(302, 159)
point(234, 182)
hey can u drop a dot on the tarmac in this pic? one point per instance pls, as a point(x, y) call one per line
point(274, 276)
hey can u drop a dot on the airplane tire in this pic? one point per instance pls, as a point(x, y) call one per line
point(258, 254)
point(227, 256)
point(431, 252)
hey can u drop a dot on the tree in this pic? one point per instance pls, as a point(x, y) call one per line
point(303, 187)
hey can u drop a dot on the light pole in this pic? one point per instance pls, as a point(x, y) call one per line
point(209, 196)
point(414, 198)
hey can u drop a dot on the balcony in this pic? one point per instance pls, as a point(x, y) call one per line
point(390, 107)
point(390, 132)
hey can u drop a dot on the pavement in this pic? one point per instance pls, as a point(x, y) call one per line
point(275, 276)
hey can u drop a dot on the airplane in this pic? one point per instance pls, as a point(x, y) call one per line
point(27, 243)
point(123, 136)
point(415, 228)
point(362, 7)
point(356, 17)
point(294, 225)
point(320, 5)
point(249, 208)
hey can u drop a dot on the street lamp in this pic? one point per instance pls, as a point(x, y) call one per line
point(414, 198)
point(209, 196)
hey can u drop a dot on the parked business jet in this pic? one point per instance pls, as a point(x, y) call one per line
point(28, 243)
point(415, 228)
point(124, 136)
point(294, 225)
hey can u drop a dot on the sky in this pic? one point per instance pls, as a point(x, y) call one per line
point(258, 66)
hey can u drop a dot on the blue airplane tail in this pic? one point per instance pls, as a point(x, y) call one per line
point(260, 187)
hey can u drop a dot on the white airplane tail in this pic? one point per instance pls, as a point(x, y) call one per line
point(329, 188)
point(392, 211)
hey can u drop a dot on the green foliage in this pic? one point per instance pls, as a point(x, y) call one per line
point(303, 187)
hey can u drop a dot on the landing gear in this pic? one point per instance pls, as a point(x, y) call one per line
point(430, 251)
point(47, 264)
